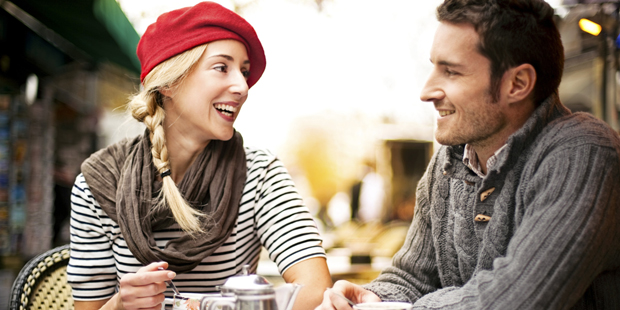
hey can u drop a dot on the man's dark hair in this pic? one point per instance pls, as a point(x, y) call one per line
point(513, 32)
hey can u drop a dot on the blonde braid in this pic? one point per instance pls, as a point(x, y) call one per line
point(185, 215)
point(147, 107)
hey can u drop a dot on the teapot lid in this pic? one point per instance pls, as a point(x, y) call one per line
point(246, 284)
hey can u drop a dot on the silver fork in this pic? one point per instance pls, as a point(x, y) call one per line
point(169, 282)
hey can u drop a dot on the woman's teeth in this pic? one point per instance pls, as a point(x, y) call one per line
point(445, 113)
point(225, 109)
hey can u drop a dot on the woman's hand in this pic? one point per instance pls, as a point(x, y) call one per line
point(145, 288)
point(141, 290)
point(353, 292)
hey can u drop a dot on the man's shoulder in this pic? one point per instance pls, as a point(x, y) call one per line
point(579, 129)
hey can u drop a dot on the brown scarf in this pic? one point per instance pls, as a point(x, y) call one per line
point(123, 180)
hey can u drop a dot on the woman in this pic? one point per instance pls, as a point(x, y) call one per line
point(186, 201)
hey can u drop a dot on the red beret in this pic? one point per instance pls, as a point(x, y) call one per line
point(180, 30)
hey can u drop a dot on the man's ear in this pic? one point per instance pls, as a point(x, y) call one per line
point(520, 82)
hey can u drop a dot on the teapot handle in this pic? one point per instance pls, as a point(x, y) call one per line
point(219, 302)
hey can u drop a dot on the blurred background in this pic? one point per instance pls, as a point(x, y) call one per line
point(338, 103)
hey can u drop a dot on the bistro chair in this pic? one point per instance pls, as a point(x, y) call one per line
point(42, 283)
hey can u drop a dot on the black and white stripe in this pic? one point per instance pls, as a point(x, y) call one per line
point(271, 214)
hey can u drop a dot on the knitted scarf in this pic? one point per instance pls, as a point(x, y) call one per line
point(123, 180)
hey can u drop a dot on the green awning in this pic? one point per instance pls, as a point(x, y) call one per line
point(98, 28)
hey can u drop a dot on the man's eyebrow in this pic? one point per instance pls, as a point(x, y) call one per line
point(228, 57)
point(448, 64)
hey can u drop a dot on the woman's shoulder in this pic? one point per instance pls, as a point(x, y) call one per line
point(80, 183)
point(256, 156)
point(82, 196)
point(116, 151)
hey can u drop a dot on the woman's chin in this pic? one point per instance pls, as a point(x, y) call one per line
point(225, 136)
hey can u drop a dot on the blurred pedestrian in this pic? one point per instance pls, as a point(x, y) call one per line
point(368, 195)
point(372, 196)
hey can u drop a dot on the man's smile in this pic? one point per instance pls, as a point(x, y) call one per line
point(443, 113)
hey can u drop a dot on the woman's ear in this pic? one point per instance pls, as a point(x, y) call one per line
point(520, 82)
point(166, 91)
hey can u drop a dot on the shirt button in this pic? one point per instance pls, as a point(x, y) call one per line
point(486, 194)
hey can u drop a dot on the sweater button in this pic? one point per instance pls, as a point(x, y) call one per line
point(482, 218)
point(486, 194)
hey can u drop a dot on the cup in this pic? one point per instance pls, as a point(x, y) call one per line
point(196, 301)
point(385, 305)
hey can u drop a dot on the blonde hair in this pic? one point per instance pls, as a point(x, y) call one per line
point(147, 107)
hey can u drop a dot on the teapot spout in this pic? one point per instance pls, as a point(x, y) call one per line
point(286, 295)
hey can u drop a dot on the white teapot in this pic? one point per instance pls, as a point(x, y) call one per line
point(254, 292)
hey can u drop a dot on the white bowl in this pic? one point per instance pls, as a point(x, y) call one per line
point(385, 305)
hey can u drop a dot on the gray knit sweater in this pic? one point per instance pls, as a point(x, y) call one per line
point(553, 241)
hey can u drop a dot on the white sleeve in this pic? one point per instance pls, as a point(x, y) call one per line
point(91, 271)
point(284, 224)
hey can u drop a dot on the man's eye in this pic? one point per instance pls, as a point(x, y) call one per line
point(450, 72)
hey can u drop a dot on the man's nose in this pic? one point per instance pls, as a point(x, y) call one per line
point(432, 91)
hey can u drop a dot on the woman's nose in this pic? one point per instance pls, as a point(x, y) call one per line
point(239, 84)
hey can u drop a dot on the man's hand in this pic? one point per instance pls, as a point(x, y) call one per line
point(349, 290)
point(145, 288)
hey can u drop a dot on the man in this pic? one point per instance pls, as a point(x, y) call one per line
point(520, 207)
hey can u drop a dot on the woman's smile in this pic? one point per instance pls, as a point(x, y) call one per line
point(227, 110)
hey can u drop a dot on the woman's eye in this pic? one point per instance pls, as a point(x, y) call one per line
point(246, 74)
point(221, 68)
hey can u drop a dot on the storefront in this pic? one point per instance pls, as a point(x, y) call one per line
point(590, 80)
point(61, 63)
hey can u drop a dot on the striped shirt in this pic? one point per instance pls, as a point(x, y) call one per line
point(271, 214)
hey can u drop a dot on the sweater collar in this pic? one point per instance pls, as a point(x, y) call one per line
point(549, 110)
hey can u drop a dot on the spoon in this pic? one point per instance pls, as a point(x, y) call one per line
point(169, 282)
point(341, 296)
